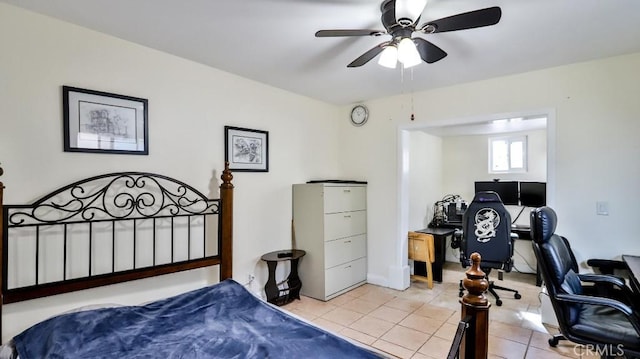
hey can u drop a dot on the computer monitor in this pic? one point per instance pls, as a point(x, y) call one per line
point(533, 194)
point(508, 190)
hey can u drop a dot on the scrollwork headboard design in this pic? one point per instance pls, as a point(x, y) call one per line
point(115, 196)
point(172, 226)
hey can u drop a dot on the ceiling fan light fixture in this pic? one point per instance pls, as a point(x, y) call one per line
point(389, 57)
point(408, 54)
point(400, 19)
point(408, 11)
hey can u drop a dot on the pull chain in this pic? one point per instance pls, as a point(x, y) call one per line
point(413, 117)
point(402, 69)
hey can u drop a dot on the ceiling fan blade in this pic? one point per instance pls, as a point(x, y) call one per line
point(388, 18)
point(367, 56)
point(338, 33)
point(429, 52)
point(467, 20)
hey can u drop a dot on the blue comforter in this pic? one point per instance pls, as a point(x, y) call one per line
point(221, 321)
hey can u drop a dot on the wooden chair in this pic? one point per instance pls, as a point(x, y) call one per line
point(421, 248)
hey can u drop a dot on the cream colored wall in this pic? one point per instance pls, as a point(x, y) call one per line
point(189, 104)
point(425, 180)
point(465, 160)
point(595, 151)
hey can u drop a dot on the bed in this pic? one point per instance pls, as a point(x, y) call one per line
point(127, 226)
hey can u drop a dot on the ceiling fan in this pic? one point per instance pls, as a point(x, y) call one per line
point(400, 19)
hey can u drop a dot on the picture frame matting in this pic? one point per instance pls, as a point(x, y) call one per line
point(103, 122)
point(246, 150)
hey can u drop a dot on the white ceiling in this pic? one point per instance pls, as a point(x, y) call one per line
point(490, 127)
point(272, 41)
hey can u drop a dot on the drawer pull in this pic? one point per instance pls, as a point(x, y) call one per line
point(347, 241)
point(347, 216)
point(347, 190)
point(347, 267)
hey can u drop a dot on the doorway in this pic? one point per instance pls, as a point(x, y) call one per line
point(436, 130)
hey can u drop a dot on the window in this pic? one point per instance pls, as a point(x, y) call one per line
point(508, 154)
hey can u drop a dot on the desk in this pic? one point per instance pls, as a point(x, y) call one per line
point(524, 233)
point(440, 235)
point(292, 285)
point(633, 262)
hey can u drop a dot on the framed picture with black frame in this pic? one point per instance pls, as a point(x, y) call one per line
point(102, 122)
point(246, 149)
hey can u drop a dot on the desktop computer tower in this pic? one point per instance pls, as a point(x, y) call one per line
point(455, 212)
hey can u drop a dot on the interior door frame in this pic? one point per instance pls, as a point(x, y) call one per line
point(401, 267)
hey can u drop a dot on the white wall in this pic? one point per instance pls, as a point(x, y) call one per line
point(189, 104)
point(425, 179)
point(466, 157)
point(596, 150)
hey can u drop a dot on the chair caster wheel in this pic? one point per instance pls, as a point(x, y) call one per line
point(499, 302)
point(460, 294)
point(553, 342)
point(517, 296)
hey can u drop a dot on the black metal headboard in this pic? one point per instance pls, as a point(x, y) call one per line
point(112, 228)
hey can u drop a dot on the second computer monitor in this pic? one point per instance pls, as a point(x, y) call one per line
point(533, 194)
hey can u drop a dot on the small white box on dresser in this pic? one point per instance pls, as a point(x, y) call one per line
point(330, 224)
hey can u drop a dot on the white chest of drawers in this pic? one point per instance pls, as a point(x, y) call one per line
point(330, 224)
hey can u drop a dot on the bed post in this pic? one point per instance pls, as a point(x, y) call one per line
point(226, 231)
point(1, 251)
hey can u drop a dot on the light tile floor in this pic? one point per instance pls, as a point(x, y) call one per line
point(421, 323)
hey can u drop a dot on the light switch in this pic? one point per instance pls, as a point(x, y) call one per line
point(602, 208)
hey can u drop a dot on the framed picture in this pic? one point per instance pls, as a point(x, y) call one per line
point(101, 122)
point(246, 149)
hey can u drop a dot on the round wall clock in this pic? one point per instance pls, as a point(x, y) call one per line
point(359, 115)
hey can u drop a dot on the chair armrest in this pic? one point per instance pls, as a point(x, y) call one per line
point(604, 302)
point(603, 278)
point(611, 286)
point(601, 301)
point(606, 266)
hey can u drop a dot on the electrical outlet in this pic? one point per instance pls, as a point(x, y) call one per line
point(602, 208)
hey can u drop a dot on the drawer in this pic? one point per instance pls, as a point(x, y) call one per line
point(345, 275)
point(346, 224)
point(344, 250)
point(344, 199)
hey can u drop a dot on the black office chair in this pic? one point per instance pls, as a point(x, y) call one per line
point(596, 284)
point(584, 315)
point(486, 229)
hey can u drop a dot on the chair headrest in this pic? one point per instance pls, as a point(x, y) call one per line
point(486, 196)
point(543, 224)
